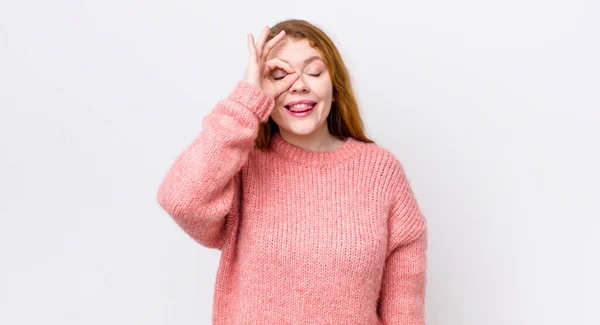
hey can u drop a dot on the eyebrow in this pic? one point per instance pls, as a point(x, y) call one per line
point(307, 61)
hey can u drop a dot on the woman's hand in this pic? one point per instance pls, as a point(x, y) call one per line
point(259, 69)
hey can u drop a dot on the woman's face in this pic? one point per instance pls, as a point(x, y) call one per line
point(313, 86)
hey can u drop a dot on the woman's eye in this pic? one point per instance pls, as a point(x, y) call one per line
point(280, 75)
point(283, 76)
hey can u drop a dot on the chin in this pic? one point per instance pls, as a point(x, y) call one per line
point(300, 131)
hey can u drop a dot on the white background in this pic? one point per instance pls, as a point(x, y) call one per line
point(492, 106)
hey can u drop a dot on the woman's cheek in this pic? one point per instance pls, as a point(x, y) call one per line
point(276, 114)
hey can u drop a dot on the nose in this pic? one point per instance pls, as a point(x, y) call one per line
point(299, 86)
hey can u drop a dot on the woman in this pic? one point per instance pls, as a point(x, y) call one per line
point(317, 224)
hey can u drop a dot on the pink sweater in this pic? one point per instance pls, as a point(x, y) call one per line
point(306, 237)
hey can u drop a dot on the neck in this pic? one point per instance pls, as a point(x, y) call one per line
point(320, 140)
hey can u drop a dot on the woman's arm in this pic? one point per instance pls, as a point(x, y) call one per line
point(402, 299)
point(202, 185)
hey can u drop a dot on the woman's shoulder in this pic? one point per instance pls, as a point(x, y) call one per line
point(379, 152)
point(389, 163)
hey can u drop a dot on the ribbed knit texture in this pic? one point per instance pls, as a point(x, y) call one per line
point(307, 237)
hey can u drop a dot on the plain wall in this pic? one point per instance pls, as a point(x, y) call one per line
point(492, 107)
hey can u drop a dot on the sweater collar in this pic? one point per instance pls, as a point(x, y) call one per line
point(314, 158)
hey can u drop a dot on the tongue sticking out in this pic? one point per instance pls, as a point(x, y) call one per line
point(300, 109)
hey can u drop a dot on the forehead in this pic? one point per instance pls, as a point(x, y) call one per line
point(295, 51)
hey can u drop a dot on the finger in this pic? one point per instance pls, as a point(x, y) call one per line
point(271, 44)
point(251, 48)
point(286, 82)
point(278, 63)
point(261, 41)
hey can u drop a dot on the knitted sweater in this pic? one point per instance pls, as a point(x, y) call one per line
point(306, 237)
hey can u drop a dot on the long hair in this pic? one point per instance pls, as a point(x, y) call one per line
point(344, 119)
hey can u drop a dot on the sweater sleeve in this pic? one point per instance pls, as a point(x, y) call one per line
point(402, 298)
point(201, 190)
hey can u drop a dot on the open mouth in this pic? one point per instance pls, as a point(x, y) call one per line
point(301, 108)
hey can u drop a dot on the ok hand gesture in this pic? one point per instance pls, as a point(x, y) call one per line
point(259, 69)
